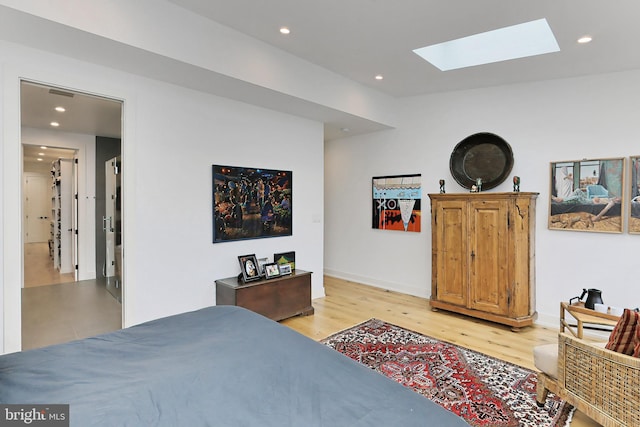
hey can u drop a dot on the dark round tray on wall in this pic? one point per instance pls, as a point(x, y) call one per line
point(481, 155)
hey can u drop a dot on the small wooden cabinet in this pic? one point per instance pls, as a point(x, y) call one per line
point(483, 256)
point(278, 298)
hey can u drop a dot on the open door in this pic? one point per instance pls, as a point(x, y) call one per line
point(111, 221)
point(63, 211)
point(37, 208)
point(74, 217)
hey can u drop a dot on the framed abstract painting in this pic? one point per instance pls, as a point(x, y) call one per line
point(587, 195)
point(634, 205)
point(397, 202)
point(251, 203)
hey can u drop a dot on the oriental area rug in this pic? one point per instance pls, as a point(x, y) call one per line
point(483, 390)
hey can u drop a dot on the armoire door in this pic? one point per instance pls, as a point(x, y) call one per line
point(488, 256)
point(452, 253)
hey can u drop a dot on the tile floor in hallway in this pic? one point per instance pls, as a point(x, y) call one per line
point(60, 312)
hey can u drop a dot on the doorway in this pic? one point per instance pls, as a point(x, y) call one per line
point(62, 132)
point(49, 184)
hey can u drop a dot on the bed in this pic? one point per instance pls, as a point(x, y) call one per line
point(221, 365)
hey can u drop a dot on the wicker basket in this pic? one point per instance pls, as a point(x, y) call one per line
point(603, 384)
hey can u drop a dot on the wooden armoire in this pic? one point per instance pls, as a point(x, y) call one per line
point(483, 255)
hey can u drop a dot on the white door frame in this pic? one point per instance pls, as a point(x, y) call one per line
point(11, 180)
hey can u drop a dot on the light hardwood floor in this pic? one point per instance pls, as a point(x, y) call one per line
point(347, 304)
point(39, 269)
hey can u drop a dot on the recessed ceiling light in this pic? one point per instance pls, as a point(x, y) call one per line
point(584, 39)
point(285, 30)
point(517, 41)
point(379, 77)
point(43, 147)
point(39, 159)
point(61, 109)
point(54, 124)
point(40, 154)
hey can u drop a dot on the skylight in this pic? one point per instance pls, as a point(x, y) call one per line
point(517, 41)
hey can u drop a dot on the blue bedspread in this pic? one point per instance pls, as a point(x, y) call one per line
point(219, 366)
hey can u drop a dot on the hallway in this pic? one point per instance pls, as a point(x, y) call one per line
point(39, 268)
point(54, 311)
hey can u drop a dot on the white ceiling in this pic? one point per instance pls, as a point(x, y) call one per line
point(361, 38)
point(31, 154)
point(85, 114)
point(353, 38)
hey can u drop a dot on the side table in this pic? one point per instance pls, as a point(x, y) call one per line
point(278, 298)
point(583, 316)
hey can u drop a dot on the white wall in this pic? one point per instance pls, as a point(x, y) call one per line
point(180, 135)
point(590, 117)
point(171, 138)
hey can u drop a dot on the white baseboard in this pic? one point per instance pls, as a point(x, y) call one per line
point(390, 286)
point(544, 320)
point(548, 321)
point(553, 322)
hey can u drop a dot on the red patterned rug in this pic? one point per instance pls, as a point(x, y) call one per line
point(483, 390)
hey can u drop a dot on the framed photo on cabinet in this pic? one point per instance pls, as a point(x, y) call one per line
point(271, 270)
point(634, 205)
point(261, 263)
point(249, 267)
point(282, 258)
point(587, 195)
point(285, 269)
